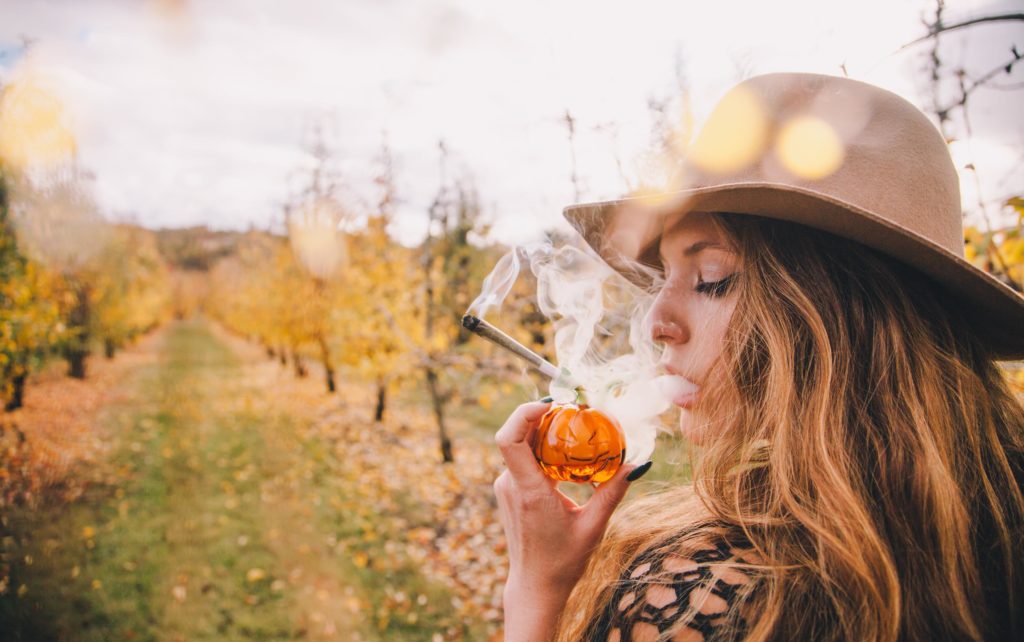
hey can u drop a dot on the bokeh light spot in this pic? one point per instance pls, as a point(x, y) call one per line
point(809, 148)
point(735, 134)
point(316, 238)
point(653, 198)
point(33, 126)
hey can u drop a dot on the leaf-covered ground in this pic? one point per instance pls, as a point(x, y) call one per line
point(213, 496)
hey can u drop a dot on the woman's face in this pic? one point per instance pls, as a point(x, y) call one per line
point(691, 312)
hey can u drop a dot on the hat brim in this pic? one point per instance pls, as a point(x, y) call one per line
point(627, 231)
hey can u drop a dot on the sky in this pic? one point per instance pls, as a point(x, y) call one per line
point(201, 113)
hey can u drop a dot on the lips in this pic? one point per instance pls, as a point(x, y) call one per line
point(678, 389)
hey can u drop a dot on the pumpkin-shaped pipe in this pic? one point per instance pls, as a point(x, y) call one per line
point(577, 443)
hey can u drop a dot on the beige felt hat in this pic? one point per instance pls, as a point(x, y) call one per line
point(834, 154)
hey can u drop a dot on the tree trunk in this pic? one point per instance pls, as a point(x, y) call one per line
point(300, 365)
point(17, 392)
point(76, 362)
point(382, 391)
point(329, 376)
point(109, 348)
point(325, 356)
point(78, 321)
point(282, 356)
point(438, 403)
point(270, 351)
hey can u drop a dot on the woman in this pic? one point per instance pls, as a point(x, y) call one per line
point(860, 452)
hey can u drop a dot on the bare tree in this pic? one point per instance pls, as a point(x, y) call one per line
point(315, 217)
point(570, 127)
point(450, 263)
point(953, 87)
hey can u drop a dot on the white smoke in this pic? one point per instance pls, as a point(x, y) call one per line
point(600, 336)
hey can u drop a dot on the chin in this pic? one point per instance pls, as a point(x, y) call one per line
point(690, 428)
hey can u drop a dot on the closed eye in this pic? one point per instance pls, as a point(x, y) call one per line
point(717, 288)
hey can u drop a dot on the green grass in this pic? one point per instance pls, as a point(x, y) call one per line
point(211, 515)
point(178, 537)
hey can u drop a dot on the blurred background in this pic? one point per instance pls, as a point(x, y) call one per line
point(236, 240)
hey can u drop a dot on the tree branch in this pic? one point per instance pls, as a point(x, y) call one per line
point(965, 89)
point(938, 27)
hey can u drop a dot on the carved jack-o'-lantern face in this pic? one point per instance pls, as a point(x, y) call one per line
point(579, 444)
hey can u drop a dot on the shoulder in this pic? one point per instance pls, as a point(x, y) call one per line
point(691, 586)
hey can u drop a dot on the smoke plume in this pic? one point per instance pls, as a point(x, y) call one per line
point(599, 332)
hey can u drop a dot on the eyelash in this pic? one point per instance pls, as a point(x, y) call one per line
point(717, 288)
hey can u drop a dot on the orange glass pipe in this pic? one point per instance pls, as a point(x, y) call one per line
point(577, 443)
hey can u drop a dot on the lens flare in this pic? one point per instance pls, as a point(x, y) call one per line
point(175, 20)
point(809, 148)
point(656, 197)
point(34, 129)
point(734, 136)
point(316, 237)
point(170, 9)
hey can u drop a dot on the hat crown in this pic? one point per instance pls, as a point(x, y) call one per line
point(840, 139)
point(833, 154)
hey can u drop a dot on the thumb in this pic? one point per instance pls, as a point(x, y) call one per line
point(598, 510)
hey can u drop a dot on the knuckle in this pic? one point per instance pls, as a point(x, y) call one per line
point(605, 504)
point(501, 483)
point(535, 501)
point(513, 428)
point(609, 500)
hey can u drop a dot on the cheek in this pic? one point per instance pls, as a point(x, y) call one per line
point(714, 319)
point(697, 425)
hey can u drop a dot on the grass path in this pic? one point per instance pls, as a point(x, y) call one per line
point(207, 523)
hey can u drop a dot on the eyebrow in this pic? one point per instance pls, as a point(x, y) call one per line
point(696, 248)
point(702, 245)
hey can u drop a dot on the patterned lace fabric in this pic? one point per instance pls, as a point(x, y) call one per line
point(681, 592)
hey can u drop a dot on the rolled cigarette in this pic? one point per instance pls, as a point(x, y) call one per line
point(494, 335)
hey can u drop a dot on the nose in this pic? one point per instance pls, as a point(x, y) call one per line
point(665, 320)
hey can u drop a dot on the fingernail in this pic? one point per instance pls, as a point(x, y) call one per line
point(548, 399)
point(638, 472)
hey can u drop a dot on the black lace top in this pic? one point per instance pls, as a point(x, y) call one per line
point(681, 591)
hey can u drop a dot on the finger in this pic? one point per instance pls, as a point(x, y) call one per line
point(598, 510)
point(513, 439)
point(520, 421)
point(500, 490)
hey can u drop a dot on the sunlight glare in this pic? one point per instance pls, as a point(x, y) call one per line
point(809, 148)
point(735, 134)
point(34, 129)
point(316, 237)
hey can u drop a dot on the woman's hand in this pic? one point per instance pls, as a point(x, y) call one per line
point(549, 536)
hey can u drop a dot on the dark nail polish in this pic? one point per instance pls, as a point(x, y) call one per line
point(639, 471)
point(547, 399)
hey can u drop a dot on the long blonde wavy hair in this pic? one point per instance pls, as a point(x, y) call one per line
point(864, 441)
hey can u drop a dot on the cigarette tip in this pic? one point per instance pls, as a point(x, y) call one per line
point(470, 322)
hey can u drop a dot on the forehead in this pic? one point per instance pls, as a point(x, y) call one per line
point(689, 228)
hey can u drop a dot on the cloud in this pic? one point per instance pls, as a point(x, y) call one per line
point(199, 115)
